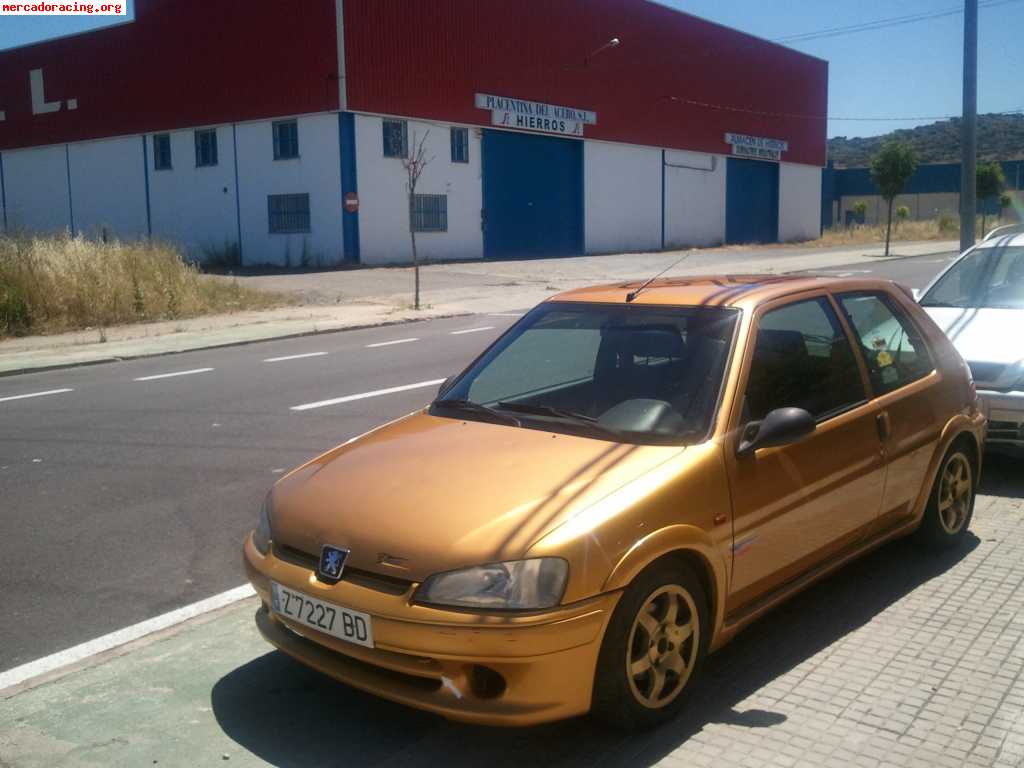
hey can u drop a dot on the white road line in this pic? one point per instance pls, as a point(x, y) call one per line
point(472, 330)
point(364, 395)
point(35, 394)
point(293, 357)
point(176, 373)
point(120, 637)
point(389, 343)
point(505, 314)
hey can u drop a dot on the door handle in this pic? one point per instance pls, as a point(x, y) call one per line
point(883, 425)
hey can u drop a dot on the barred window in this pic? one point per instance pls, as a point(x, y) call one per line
point(288, 213)
point(286, 140)
point(430, 213)
point(161, 152)
point(460, 145)
point(206, 147)
point(396, 138)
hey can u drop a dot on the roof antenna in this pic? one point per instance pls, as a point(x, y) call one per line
point(633, 294)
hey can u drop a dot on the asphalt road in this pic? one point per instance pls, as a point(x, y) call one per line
point(125, 492)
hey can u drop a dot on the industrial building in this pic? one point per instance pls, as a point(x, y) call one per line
point(275, 131)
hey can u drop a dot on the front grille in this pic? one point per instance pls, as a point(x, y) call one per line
point(1005, 430)
point(986, 372)
point(386, 584)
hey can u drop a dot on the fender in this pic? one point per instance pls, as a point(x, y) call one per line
point(676, 538)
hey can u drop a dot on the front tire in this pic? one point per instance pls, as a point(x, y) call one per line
point(653, 649)
point(951, 503)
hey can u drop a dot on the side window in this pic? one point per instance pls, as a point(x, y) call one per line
point(206, 147)
point(802, 359)
point(460, 145)
point(161, 152)
point(286, 140)
point(894, 351)
point(396, 138)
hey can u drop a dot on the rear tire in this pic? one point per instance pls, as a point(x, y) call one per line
point(653, 649)
point(951, 501)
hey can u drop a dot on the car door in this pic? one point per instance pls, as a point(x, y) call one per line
point(797, 504)
point(907, 391)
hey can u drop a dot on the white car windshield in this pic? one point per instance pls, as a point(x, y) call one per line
point(986, 277)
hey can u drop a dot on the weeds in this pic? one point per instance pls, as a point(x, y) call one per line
point(50, 284)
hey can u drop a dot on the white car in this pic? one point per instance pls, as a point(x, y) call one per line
point(978, 300)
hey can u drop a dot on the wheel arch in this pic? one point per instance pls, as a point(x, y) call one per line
point(960, 428)
point(685, 544)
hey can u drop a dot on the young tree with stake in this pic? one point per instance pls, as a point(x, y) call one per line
point(414, 162)
point(990, 182)
point(891, 169)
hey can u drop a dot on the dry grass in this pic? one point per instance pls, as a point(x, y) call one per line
point(59, 283)
point(945, 227)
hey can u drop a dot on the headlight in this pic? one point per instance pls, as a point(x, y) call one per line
point(515, 585)
point(261, 536)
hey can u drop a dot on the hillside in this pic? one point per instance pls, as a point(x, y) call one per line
point(1000, 137)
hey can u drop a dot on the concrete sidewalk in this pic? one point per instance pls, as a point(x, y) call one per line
point(342, 299)
point(903, 658)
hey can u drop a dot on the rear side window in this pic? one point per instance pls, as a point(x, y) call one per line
point(803, 359)
point(894, 351)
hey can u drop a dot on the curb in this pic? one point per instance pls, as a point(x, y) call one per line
point(240, 343)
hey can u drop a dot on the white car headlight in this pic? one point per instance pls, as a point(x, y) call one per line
point(261, 536)
point(515, 585)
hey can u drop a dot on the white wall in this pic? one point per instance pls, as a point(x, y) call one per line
point(799, 202)
point(36, 182)
point(317, 172)
point(383, 201)
point(694, 199)
point(622, 197)
point(194, 207)
point(108, 187)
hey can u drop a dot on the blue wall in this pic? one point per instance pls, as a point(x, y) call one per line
point(942, 177)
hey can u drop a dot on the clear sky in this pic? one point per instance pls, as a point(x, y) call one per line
point(910, 70)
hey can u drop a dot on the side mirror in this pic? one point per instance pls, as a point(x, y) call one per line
point(780, 427)
point(916, 293)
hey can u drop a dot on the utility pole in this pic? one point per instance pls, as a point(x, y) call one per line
point(969, 125)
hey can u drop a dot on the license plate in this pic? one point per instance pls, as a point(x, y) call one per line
point(342, 623)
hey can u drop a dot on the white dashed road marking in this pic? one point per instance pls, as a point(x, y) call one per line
point(364, 395)
point(35, 394)
point(293, 357)
point(171, 375)
point(389, 343)
point(472, 330)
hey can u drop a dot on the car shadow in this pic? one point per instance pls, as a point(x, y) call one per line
point(290, 716)
point(1002, 473)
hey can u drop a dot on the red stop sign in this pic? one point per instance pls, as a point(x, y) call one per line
point(351, 202)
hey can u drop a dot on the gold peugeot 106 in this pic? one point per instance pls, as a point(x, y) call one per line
point(622, 481)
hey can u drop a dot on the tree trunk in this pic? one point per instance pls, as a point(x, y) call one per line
point(888, 228)
point(415, 259)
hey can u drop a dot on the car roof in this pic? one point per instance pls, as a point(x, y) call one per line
point(718, 290)
point(1001, 241)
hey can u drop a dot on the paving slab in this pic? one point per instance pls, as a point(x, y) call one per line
point(904, 658)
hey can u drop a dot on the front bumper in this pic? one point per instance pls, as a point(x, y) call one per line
point(445, 661)
point(1005, 414)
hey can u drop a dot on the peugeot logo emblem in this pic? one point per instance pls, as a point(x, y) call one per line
point(332, 563)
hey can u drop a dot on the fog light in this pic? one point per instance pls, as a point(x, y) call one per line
point(486, 683)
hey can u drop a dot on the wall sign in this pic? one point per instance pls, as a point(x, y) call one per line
point(351, 202)
point(535, 115)
point(756, 147)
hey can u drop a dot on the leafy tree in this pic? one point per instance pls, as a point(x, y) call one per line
point(1005, 201)
point(989, 182)
point(891, 169)
point(860, 209)
point(902, 214)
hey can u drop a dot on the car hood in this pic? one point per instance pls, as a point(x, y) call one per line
point(426, 494)
point(990, 340)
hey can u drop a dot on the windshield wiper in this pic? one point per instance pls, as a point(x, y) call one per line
point(461, 404)
point(546, 410)
point(942, 304)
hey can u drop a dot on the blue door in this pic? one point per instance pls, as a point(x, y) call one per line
point(751, 201)
point(533, 195)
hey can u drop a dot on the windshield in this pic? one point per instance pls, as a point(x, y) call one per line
point(986, 277)
point(617, 372)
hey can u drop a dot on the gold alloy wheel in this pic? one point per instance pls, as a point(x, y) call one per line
point(955, 491)
point(662, 647)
